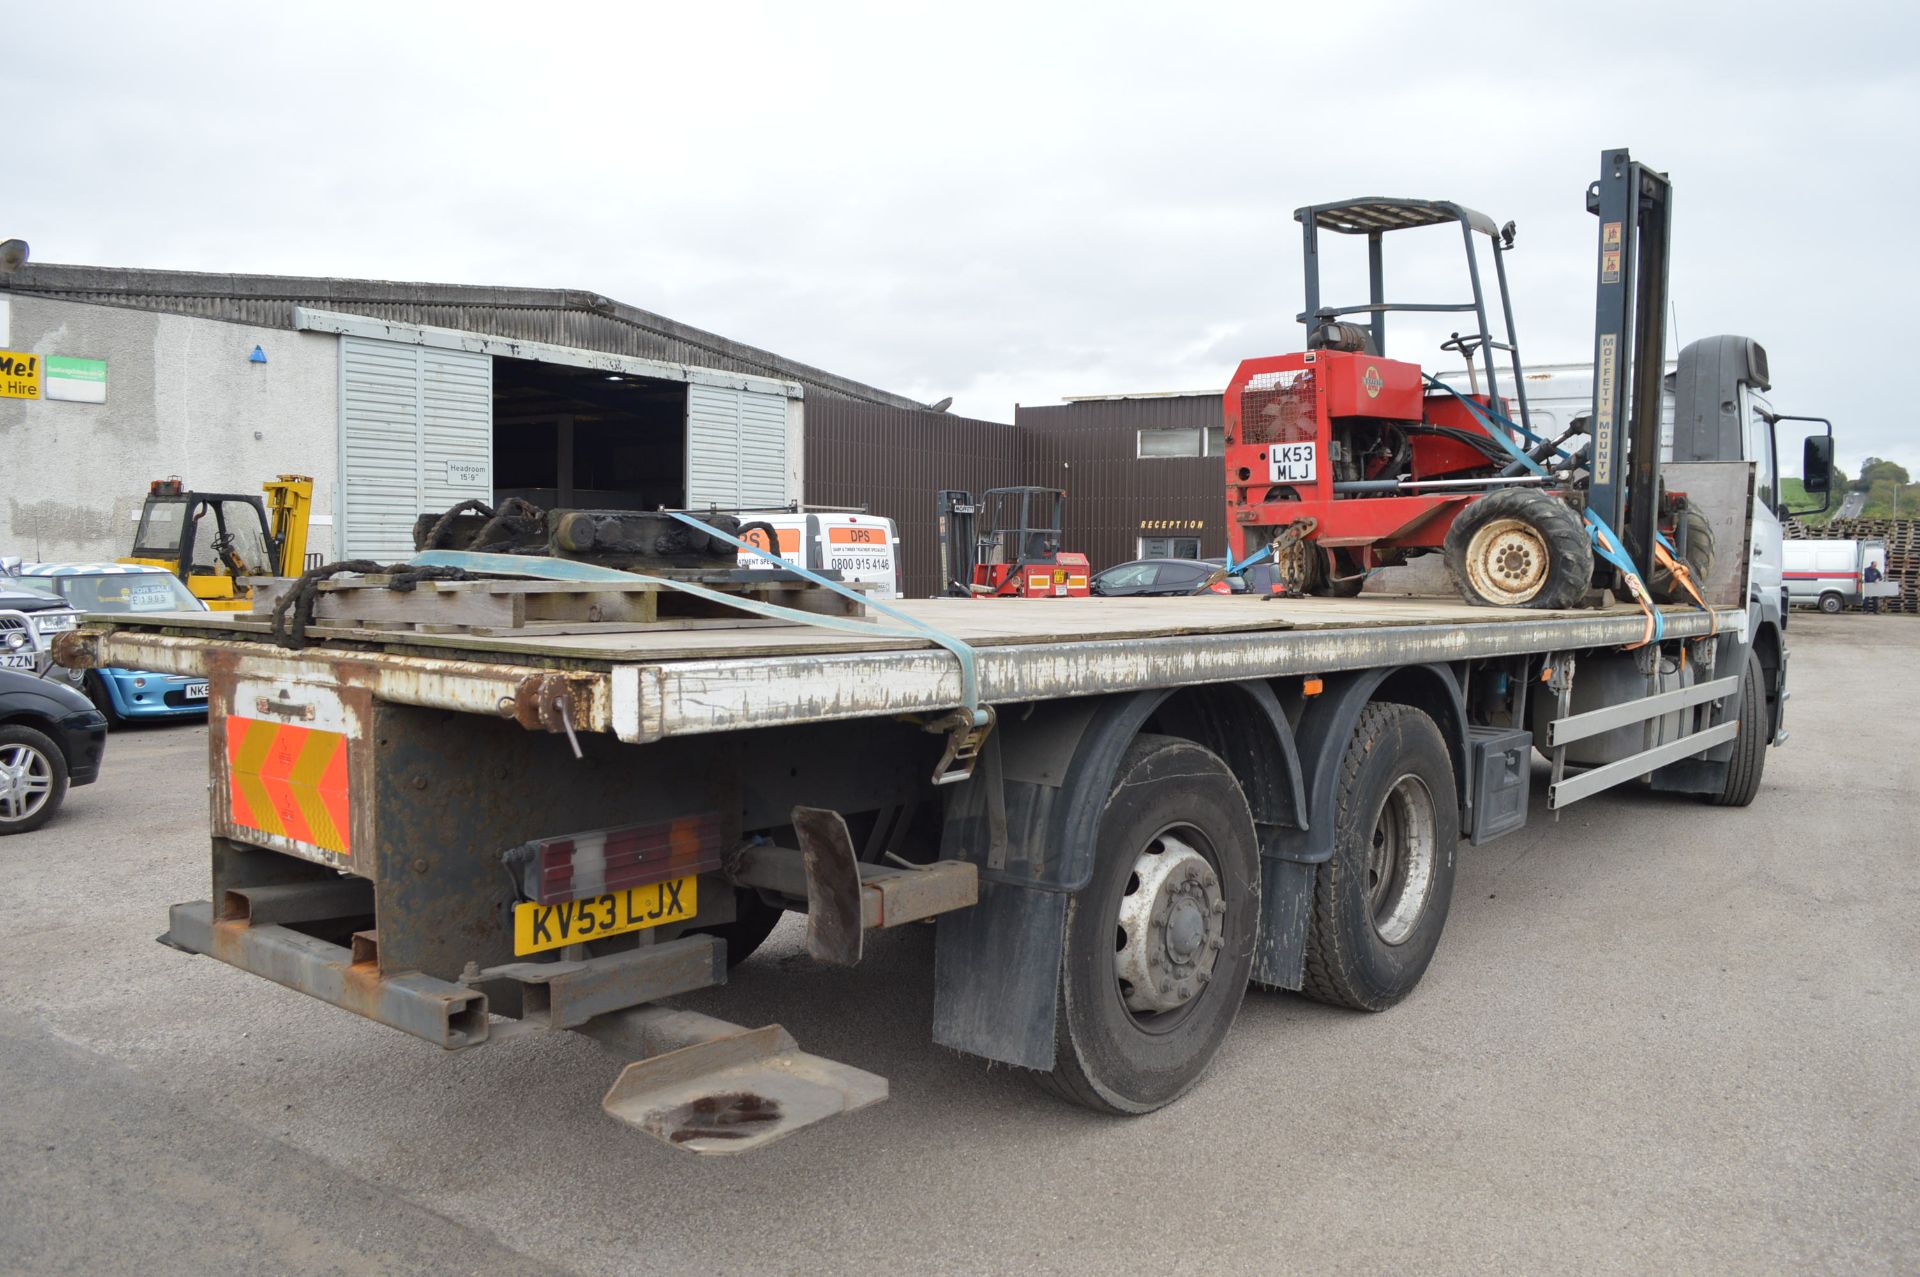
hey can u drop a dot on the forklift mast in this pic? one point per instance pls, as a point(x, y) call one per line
point(1635, 207)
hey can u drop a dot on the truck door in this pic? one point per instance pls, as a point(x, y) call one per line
point(1766, 565)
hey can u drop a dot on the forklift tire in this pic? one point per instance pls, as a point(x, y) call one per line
point(1750, 746)
point(1159, 944)
point(1520, 547)
point(1339, 564)
point(1380, 902)
point(1698, 558)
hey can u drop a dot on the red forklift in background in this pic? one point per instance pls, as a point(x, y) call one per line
point(1007, 546)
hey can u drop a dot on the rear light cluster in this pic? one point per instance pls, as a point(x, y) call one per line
point(580, 866)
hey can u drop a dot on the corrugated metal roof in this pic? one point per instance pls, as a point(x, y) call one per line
point(562, 316)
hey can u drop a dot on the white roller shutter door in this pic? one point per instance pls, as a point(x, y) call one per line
point(736, 447)
point(416, 434)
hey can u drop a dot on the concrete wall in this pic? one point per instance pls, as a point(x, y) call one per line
point(182, 399)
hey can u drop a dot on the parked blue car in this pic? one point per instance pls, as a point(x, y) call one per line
point(106, 588)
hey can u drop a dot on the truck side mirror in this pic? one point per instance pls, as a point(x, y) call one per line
point(1816, 461)
point(1816, 464)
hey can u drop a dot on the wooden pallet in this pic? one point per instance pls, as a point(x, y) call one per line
point(527, 608)
point(1903, 551)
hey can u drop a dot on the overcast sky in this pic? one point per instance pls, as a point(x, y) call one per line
point(1003, 204)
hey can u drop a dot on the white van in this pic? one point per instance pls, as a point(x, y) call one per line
point(860, 547)
point(1831, 575)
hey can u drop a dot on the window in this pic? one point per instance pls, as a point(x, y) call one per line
point(1191, 442)
point(1170, 443)
point(161, 523)
point(128, 592)
point(1176, 575)
point(1169, 547)
point(1128, 576)
point(1766, 479)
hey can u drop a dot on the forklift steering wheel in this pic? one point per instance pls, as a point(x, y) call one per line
point(223, 546)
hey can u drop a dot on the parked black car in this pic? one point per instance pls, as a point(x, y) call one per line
point(1258, 578)
point(51, 738)
point(1142, 578)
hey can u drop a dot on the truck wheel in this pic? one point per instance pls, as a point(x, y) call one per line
point(1831, 603)
point(96, 689)
point(753, 921)
point(1381, 901)
point(1750, 746)
point(1698, 558)
point(1160, 943)
point(33, 779)
point(1520, 547)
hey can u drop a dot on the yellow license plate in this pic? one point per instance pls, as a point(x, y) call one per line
point(537, 928)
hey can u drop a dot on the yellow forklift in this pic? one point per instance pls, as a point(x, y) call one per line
point(214, 540)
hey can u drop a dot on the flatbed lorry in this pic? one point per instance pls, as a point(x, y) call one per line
point(472, 838)
point(480, 798)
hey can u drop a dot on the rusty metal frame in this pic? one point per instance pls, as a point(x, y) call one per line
point(445, 1014)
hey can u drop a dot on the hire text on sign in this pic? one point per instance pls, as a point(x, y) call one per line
point(19, 375)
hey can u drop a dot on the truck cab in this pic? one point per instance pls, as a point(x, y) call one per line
point(1721, 413)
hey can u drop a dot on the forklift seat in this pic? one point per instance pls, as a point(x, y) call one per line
point(1354, 338)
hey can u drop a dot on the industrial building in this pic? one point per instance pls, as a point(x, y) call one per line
point(403, 397)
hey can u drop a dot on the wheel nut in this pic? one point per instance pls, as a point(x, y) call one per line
point(1219, 906)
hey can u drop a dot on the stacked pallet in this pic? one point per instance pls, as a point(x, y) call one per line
point(1903, 551)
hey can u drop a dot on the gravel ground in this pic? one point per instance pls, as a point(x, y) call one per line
point(1657, 1036)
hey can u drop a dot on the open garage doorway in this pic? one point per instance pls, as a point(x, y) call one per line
point(587, 439)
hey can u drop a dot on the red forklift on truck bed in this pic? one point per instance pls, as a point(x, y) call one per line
point(1340, 461)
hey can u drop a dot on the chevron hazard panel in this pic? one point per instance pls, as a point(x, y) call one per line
point(286, 756)
point(288, 779)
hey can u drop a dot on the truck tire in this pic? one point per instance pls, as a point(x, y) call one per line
point(753, 921)
point(95, 685)
point(1832, 603)
point(33, 779)
point(1698, 558)
point(1381, 901)
point(1159, 944)
point(1750, 746)
point(1519, 547)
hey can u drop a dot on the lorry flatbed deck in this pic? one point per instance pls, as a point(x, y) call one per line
point(647, 685)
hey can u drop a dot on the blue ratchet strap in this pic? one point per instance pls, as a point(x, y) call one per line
point(1258, 556)
point(966, 738)
point(968, 673)
point(1606, 542)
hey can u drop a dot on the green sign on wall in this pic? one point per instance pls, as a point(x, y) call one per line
point(75, 380)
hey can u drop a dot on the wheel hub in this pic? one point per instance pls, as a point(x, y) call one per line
point(1507, 561)
point(1400, 862)
point(26, 780)
point(1170, 929)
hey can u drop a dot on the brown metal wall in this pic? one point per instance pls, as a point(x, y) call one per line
point(1114, 496)
point(894, 460)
